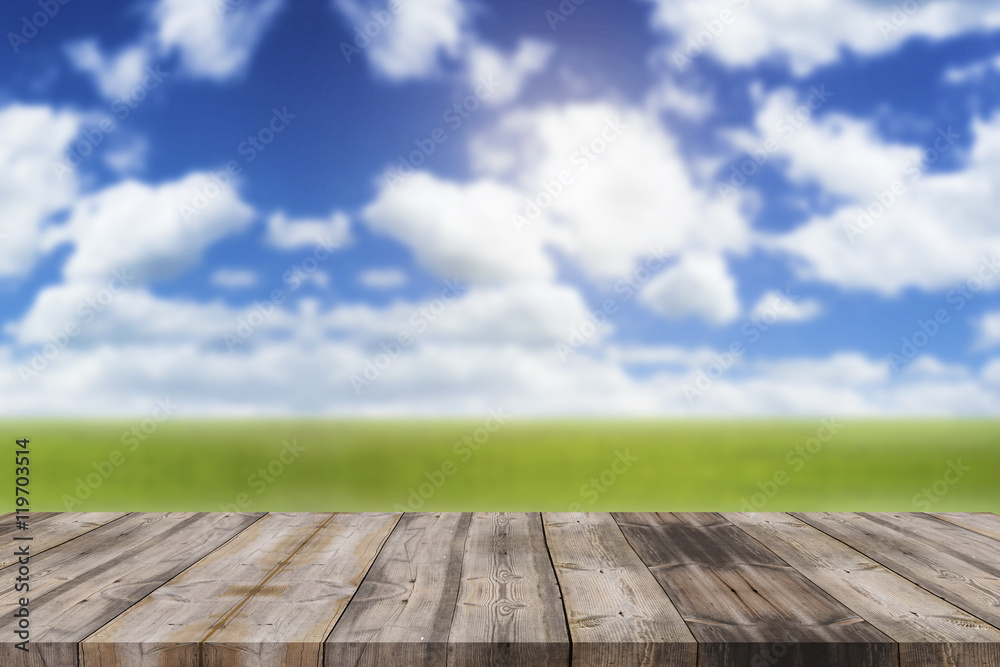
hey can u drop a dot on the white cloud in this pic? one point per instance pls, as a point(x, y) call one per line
point(843, 154)
point(215, 40)
point(628, 189)
point(775, 306)
point(212, 40)
point(321, 279)
point(140, 227)
point(699, 285)
point(520, 314)
point(408, 41)
point(411, 41)
point(988, 330)
point(660, 355)
point(810, 34)
point(233, 278)
point(927, 366)
point(128, 156)
point(459, 231)
point(934, 230)
point(33, 139)
point(119, 313)
point(971, 72)
point(140, 346)
point(512, 71)
point(450, 372)
point(991, 372)
point(627, 198)
point(669, 97)
point(382, 278)
point(286, 233)
point(840, 369)
point(115, 76)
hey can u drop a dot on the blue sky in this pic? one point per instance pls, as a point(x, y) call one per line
point(657, 208)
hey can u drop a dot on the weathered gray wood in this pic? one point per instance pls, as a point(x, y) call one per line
point(983, 523)
point(509, 608)
point(8, 522)
point(961, 542)
point(970, 581)
point(268, 597)
point(618, 614)
point(742, 602)
point(81, 584)
point(929, 630)
point(488, 589)
point(57, 528)
point(402, 612)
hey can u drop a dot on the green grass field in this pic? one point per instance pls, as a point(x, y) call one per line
point(579, 465)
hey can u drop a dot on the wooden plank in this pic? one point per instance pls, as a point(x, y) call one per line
point(929, 630)
point(402, 612)
point(966, 581)
point(743, 603)
point(8, 524)
point(80, 585)
point(269, 597)
point(617, 612)
point(509, 608)
point(956, 540)
point(983, 523)
point(58, 528)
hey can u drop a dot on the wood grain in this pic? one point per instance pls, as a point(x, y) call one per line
point(312, 590)
point(8, 523)
point(618, 614)
point(402, 612)
point(743, 603)
point(983, 523)
point(961, 542)
point(929, 630)
point(82, 584)
point(964, 580)
point(268, 597)
point(509, 608)
point(58, 528)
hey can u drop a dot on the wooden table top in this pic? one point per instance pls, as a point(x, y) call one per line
point(322, 589)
